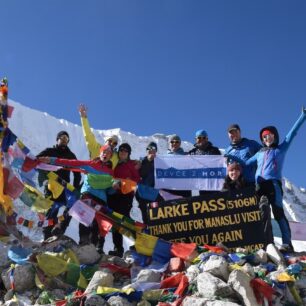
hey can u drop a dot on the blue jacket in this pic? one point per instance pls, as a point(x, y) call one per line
point(244, 150)
point(270, 160)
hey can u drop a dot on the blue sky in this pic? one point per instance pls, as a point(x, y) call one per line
point(166, 67)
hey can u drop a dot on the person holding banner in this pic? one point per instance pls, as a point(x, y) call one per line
point(119, 202)
point(203, 147)
point(175, 146)
point(268, 177)
point(243, 148)
point(60, 150)
point(176, 149)
point(147, 178)
point(97, 181)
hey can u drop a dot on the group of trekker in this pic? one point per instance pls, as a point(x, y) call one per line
point(249, 164)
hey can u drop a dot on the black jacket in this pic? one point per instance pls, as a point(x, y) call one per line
point(146, 172)
point(60, 152)
point(230, 185)
point(206, 149)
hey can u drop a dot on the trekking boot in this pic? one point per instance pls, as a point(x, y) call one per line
point(116, 252)
point(286, 248)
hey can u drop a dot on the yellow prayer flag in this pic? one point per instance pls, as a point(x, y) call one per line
point(55, 187)
point(145, 244)
point(51, 264)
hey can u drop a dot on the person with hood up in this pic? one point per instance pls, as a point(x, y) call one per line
point(119, 202)
point(92, 145)
point(97, 182)
point(60, 150)
point(270, 160)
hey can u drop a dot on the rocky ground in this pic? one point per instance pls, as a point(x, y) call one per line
point(63, 273)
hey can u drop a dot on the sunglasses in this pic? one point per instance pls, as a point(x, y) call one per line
point(151, 149)
point(174, 141)
point(200, 137)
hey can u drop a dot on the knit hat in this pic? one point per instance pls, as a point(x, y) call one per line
point(113, 138)
point(106, 148)
point(233, 127)
point(233, 166)
point(174, 137)
point(265, 132)
point(61, 133)
point(125, 146)
point(201, 133)
point(152, 146)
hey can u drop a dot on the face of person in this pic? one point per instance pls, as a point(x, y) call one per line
point(63, 141)
point(201, 140)
point(175, 145)
point(234, 136)
point(112, 143)
point(151, 153)
point(268, 139)
point(123, 154)
point(234, 174)
point(106, 155)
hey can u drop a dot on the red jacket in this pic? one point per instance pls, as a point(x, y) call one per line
point(127, 170)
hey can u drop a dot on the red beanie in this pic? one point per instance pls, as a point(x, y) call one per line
point(106, 148)
point(265, 132)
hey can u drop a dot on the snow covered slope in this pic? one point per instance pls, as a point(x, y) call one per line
point(38, 130)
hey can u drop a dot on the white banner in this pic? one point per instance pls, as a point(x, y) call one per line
point(189, 172)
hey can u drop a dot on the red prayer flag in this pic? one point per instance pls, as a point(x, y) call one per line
point(104, 224)
point(172, 281)
point(29, 164)
point(183, 250)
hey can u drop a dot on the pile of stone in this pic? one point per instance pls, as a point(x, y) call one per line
point(213, 277)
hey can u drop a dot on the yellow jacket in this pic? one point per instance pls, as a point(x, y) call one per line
point(92, 145)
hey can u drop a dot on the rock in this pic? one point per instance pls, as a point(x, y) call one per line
point(192, 273)
point(249, 270)
point(240, 282)
point(197, 301)
point(100, 278)
point(87, 254)
point(194, 301)
point(221, 303)
point(211, 287)
point(95, 300)
point(119, 301)
point(217, 266)
point(149, 276)
point(144, 303)
point(274, 254)
point(261, 257)
point(58, 294)
point(3, 255)
point(24, 278)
